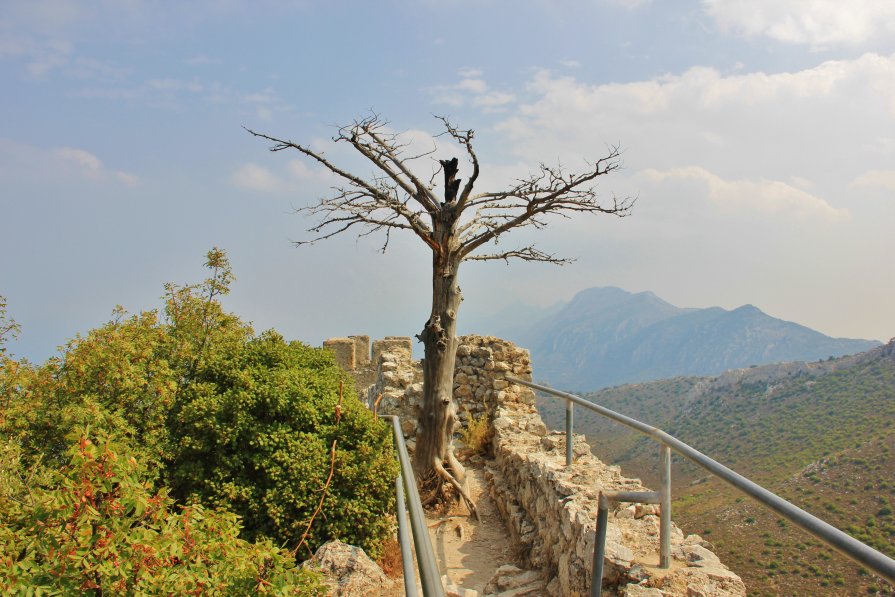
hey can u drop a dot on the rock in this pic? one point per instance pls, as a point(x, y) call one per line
point(511, 581)
point(628, 512)
point(348, 571)
point(697, 555)
point(453, 590)
point(537, 427)
point(632, 590)
point(641, 510)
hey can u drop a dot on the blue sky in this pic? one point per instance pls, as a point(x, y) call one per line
point(759, 138)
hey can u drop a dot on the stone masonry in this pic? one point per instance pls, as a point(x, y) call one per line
point(549, 509)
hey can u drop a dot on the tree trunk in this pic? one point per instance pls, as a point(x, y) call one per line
point(438, 413)
point(434, 461)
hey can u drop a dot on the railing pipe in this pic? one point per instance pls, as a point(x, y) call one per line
point(596, 583)
point(430, 579)
point(838, 540)
point(570, 438)
point(603, 503)
point(404, 540)
point(665, 512)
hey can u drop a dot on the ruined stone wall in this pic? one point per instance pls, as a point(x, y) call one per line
point(550, 509)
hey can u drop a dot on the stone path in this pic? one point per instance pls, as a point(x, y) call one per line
point(470, 551)
point(477, 557)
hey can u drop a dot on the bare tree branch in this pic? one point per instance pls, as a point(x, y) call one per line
point(550, 190)
point(529, 253)
point(365, 202)
point(384, 150)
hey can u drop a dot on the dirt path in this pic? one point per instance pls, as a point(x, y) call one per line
point(469, 552)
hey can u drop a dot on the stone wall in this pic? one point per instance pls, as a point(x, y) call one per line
point(550, 509)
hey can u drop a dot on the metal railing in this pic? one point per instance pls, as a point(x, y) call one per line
point(405, 483)
point(838, 540)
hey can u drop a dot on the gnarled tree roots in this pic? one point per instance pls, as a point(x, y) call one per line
point(438, 486)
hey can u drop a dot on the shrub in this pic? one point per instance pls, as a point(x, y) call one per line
point(225, 418)
point(254, 434)
point(94, 527)
point(477, 433)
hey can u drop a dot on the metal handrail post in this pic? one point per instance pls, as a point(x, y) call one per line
point(430, 578)
point(596, 579)
point(404, 540)
point(570, 438)
point(603, 502)
point(665, 509)
point(838, 540)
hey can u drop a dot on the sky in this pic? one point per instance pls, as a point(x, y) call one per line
point(758, 140)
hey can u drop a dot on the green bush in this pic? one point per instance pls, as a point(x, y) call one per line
point(227, 419)
point(254, 434)
point(118, 378)
point(94, 527)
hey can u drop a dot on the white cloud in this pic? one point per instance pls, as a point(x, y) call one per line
point(472, 89)
point(472, 85)
point(493, 99)
point(40, 57)
point(876, 178)
point(771, 197)
point(266, 103)
point(89, 166)
point(470, 73)
point(825, 125)
point(253, 177)
point(816, 23)
point(299, 170)
point(62, 164)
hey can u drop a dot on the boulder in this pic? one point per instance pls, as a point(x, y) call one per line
point(348, 571)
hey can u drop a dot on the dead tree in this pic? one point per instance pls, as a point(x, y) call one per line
point(457, 226)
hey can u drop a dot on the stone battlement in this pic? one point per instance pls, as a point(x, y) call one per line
point(548, 508)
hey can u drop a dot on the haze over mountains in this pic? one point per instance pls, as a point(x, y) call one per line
point(608, 336)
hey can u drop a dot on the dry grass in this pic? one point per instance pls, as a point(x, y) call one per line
point(390, 561)
point(477, 434)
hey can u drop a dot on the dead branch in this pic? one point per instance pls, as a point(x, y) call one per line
point(529, 253)
point(332, 470)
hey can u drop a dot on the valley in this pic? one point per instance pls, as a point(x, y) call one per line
point(821, 435)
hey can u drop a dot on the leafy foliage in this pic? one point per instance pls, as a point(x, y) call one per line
point(93, 526)
point(254, 432)
point(8, 327)
point(239, 426)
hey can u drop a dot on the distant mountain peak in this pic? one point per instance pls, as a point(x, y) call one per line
point(749, 309)
point(607, 336)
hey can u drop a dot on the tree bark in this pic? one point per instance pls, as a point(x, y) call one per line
point(438, 412)
point(434, 462)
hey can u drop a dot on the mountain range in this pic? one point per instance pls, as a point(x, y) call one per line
point(608, 336)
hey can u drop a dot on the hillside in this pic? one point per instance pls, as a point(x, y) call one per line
point(607, 336)
point(820, 434)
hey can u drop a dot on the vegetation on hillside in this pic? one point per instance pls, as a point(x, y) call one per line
point(181, 452)
point(822, 441)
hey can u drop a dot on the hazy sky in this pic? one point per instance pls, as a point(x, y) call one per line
point(759, 137)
